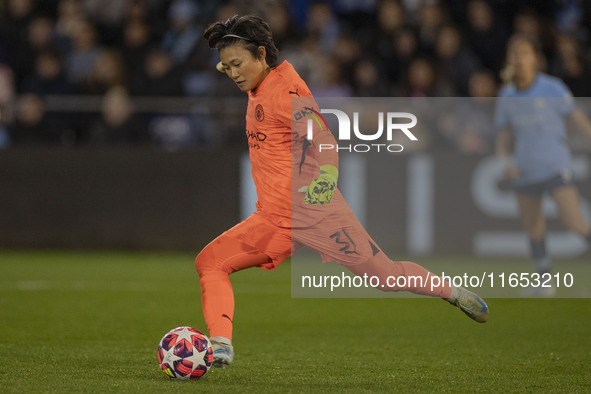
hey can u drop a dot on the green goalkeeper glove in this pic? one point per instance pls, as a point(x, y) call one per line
point(322, 189)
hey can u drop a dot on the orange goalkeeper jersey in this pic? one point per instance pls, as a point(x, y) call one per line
point(282, 159)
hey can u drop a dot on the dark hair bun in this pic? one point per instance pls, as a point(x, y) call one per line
point(252, 30)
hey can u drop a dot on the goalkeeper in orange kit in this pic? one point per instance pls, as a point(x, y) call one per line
point(299, 203)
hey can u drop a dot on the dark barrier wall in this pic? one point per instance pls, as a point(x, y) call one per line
point(418, 204)
point(451, 204)
point(116, 198)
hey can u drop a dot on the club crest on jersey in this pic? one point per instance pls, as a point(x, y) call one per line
point(259, 114)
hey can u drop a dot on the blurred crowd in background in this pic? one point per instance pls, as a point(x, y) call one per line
point(122, 50)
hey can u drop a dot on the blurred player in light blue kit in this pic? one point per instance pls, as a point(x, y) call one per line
point(531, 116)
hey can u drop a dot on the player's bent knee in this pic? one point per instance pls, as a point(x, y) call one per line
point(205, 261)
point(578, 227)
point(200, 263)
point(213, 258)
point(537, 233)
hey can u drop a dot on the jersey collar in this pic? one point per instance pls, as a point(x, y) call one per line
point(269, 76)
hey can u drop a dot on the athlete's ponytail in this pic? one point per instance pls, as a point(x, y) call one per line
point(251, 31)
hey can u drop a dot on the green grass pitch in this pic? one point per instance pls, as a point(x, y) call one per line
point(91, 322)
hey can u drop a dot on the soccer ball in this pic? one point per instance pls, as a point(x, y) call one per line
point(185, 353)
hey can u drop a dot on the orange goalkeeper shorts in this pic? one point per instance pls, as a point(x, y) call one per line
point(337, 237)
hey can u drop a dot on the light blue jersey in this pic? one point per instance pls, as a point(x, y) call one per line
point(536, 117)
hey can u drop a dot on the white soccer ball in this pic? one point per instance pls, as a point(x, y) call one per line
point(185, 353)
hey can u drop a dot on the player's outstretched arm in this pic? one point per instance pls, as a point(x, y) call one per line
point(322, 188)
